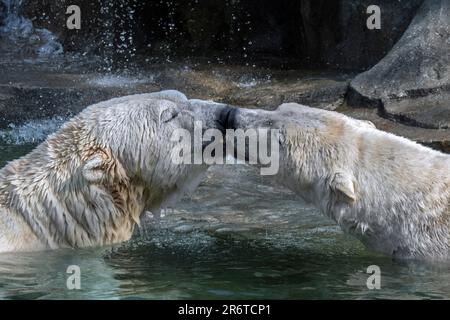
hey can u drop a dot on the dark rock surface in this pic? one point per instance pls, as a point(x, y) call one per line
point(315, 32)
point(335, 32)
point(412, 83)
point(2, 13)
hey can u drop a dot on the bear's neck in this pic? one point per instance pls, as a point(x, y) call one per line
point(402, 190)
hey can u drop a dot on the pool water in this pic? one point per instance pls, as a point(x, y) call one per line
point(240, 236)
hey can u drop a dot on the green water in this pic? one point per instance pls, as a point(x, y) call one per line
point(240, 236)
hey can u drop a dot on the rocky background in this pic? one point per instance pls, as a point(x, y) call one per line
point(249, 53)
point(319, 32)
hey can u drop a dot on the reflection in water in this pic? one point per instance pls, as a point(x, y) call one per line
point(239, 236)
point(43, 275)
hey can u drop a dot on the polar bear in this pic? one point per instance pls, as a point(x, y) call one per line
point(89, 183)
point(391, 193)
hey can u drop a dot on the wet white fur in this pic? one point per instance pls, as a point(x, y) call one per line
point(89, 183)
point(391, 193)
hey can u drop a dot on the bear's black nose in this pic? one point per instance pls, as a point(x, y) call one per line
point(227, 118)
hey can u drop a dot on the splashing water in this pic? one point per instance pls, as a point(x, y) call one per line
point(118, 48)
point(22, 35)
point(34, 131)
point(15, 25)
point(111, 80)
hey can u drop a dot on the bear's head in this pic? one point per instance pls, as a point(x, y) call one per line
point(131, 143)
point(315, 148)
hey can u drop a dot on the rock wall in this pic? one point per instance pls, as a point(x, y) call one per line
point(407, 61)
point(412, 83)
point(335, 33)
point(313, 32)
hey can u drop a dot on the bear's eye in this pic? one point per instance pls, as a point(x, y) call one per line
point(168, 115)
point(269, 123)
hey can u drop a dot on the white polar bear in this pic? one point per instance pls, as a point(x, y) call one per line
point(391, 193)
point(89, 183)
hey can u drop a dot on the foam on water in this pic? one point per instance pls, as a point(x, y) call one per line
point(248, 81)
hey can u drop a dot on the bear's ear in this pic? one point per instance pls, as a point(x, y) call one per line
point(342, 183)
point(92, 168)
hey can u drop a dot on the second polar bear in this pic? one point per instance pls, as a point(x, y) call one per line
point(391, 193)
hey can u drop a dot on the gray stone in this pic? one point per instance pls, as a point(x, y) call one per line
point(334, 33)
point(412, 83)
point(438, 139)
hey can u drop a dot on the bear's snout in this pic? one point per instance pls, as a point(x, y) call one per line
point(226, 119)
